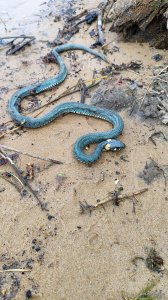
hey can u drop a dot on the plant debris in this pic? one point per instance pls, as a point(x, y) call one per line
point(152, 171)
point(4, 161)
point(16, 43)
point(154, 262)
point(114, 197)
point(155, 103)
point(20, 177)
point(145, 294)
point(83, 90)
point(89, 18)
point(9, 286)
point(60, 179)
point(113, 94)
point(133, 65)
point(29, 172)
point(28, 154)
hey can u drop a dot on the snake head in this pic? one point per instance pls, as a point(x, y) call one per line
point(114, 145)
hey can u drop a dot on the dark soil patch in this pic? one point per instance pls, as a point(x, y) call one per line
point(113, 94)
point(152, 171)
point(9, 283)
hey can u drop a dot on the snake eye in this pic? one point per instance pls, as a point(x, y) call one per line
point(107, 147)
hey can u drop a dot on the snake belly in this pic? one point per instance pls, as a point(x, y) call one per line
point(100, 138)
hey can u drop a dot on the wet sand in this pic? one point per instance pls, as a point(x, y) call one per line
point(72, 255)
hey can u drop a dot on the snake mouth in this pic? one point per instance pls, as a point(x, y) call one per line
point(116, 149)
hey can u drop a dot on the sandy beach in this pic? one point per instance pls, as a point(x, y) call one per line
point(66, 254)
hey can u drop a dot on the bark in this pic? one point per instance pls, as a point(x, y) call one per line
point(140, 16)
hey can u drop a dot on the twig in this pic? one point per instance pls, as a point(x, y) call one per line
point(121, 197)
point(78, 16)
point(156, 133)
point(161, 86)
point(106, 45)
point(16, 37)
point(83, 89)
point(2, 175)
point(9, 131)
point(3, 24)
point(11, 174)
point(84, 206)
point(19, 45)
point(155, 77)
point(143, 99)
point(164, 69)
point(161, 168)
point(106, 16)
point(89, 19)
point(25, 183)
point(15, 270)
point(31, 155)
point(101, 39)
point(70, 91)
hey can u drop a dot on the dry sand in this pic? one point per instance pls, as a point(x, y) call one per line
point(78, 256)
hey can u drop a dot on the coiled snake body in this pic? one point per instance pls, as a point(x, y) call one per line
point(104, 140)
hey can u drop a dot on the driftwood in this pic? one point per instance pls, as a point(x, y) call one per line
point(144, 20)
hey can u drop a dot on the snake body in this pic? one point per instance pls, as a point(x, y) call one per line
point(104, 140)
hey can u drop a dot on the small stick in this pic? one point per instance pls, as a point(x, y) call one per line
point(3, 24)
point(78, 16)
point(15, 270)
point(31, 155)
point(70, 91)
point(164, 69)
point(19, 46)
point(122, 197)
point(17, 37)
point(2, 175)
point(143, 99)
point(25, 183)
point(101, 39)
point(83, 89)
point(9, 131)
point(161, 168)
point(155, 77)
point(106, 45)
point(84, 206)
point(11, 174)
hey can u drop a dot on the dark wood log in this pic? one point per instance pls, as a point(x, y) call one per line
point(146, 19)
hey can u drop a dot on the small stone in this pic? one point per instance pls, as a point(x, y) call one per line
point(133, 86)
point(28, 294)
point(37, 248)
point(57, 18)
point(50, 217)
point(157, 57)
point(92, 32)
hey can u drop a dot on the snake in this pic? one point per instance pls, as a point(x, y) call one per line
point(104, 140)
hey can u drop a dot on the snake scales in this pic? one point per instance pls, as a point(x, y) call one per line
point(104, 140)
